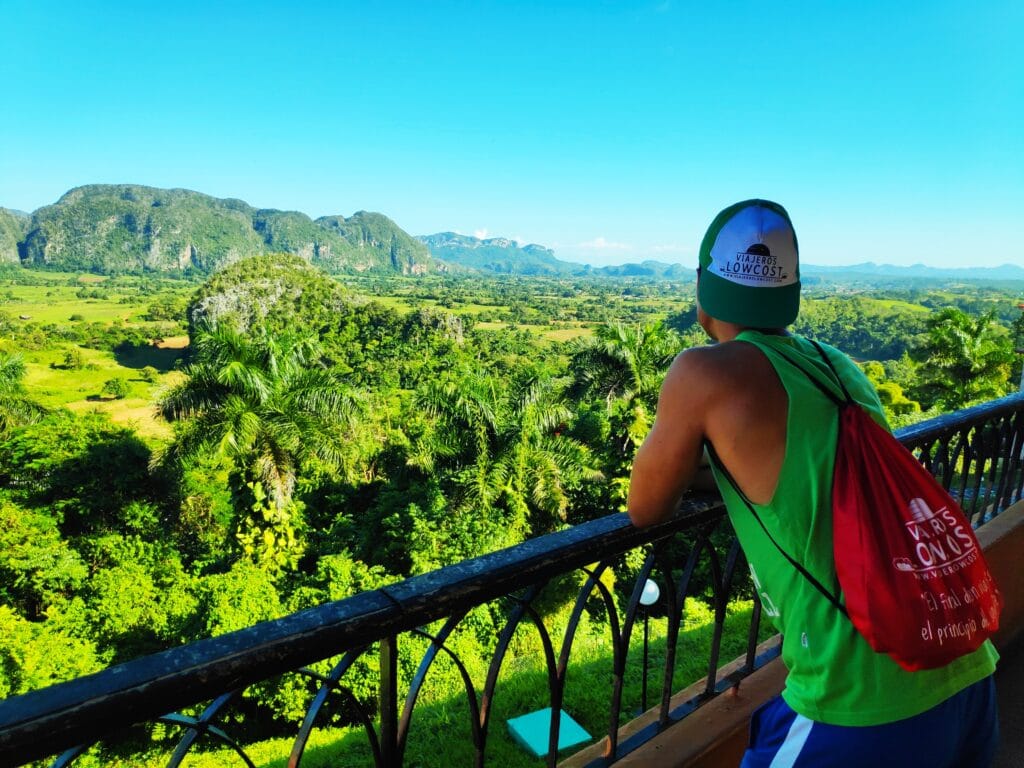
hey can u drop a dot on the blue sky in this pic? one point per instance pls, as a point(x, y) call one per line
point(610, 131)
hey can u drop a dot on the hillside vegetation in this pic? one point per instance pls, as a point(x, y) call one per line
point(497, 255)
point(12, 232)
point(502, 256)
point(127, 228)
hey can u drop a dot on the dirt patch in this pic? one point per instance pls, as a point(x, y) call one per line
point(172, 342)
point(566, 334)
point(135, 413)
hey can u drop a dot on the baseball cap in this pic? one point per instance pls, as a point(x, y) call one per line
point(749, 266)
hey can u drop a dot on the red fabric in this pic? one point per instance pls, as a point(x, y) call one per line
point(913, 576)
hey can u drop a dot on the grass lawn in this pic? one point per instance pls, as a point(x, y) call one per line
point(568, 334)
point(56, 305)
point(81, 389)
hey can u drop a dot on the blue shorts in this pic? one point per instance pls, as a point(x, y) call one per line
point(961, 732)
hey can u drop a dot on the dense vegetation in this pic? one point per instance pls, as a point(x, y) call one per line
point(316, 438)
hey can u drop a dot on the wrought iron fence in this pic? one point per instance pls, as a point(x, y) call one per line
point(978, 454)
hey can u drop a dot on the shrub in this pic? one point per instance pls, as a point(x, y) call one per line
point(116, 388)
point(33, 655)
point(73, 359)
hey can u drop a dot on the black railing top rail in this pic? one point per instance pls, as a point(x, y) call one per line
point(977, 454)
point(43, 722)
point(948, 423)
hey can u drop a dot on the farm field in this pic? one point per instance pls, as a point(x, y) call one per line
point(65, 308)
point(55, 315)
point(82, 389)
point(61, 304)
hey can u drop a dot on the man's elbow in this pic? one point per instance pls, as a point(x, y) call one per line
point(643, 515)
point(653, 502)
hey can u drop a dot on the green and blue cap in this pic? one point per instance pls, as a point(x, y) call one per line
point(750, 266)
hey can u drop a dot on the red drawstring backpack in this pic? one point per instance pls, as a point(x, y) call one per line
point(913, 578)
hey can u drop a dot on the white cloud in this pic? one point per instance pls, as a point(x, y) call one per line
point(602, 244)
point(481, 234)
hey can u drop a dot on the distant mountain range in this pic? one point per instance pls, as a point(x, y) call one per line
point(110, 228)
point(869, 268)
point(497, 255)
point(500, 256)
point(114, 228)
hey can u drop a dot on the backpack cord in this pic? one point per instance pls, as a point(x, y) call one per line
point(814, 379)
point(832, 598)
point(792, 561)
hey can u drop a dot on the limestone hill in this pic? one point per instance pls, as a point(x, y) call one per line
point(117, 228)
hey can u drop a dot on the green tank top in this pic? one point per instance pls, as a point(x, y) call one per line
point(834, 675)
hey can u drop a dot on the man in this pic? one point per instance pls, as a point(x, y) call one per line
point(774, 434)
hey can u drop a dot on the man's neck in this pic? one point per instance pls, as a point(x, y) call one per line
point(724, 331)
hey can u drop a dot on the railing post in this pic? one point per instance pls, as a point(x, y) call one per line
point(389, 702)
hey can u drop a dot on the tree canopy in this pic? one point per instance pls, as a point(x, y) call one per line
point(964, 359)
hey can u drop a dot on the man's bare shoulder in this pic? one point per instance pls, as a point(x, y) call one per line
point(716, 364)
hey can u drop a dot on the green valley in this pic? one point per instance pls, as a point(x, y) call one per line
point(182, 454)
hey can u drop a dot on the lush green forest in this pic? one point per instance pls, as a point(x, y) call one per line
point(180, 458)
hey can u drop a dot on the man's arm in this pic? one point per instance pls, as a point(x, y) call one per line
point(667, 462)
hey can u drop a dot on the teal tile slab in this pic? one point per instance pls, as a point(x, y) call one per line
point(531, 732)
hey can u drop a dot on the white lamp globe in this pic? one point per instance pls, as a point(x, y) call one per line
point(650, 594)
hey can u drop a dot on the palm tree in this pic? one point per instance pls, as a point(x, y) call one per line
point(266, 403)
point(624, 362)
point(504, 447)
point(624, 365)
point(537, 462)
point(966, 359)
point(16, 408)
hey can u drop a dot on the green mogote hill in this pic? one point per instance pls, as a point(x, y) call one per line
point(12, 231)
point(126, 228)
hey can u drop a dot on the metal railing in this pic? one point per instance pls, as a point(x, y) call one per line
point(978, 454)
